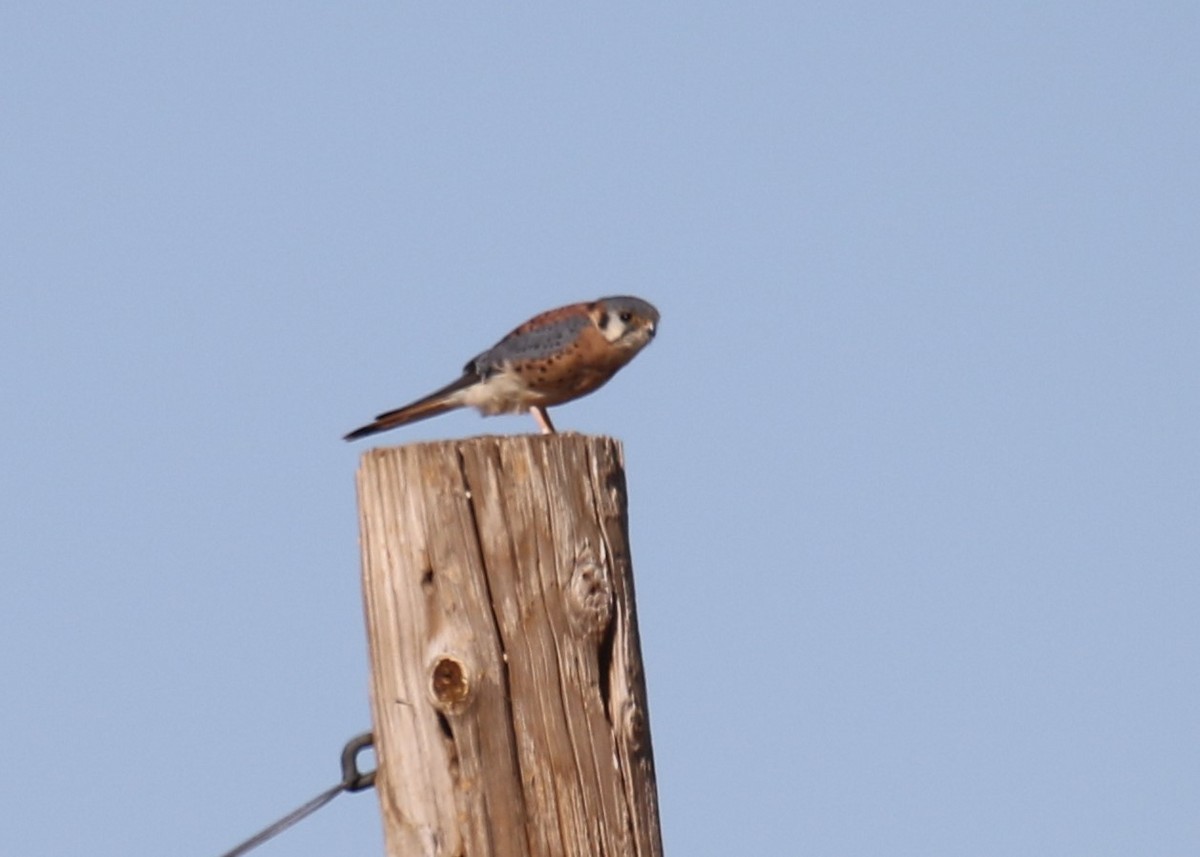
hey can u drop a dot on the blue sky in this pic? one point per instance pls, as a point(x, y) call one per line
point(913, 464)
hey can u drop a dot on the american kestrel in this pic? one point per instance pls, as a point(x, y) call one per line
point(553, 358)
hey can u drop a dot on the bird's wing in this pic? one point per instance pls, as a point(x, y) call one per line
point(529, 343)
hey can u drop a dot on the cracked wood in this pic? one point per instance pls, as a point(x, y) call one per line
point(507, 690)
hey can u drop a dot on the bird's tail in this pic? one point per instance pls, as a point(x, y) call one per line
point(446, 399)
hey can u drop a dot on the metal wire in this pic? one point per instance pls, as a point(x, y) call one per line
point(353, 780)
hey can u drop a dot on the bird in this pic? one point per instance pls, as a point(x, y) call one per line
point(553, 358)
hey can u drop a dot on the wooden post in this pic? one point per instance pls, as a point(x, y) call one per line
point(507, 688)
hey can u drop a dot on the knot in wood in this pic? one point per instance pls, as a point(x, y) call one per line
point(633, 722)
point(450, 685)
point(589, 596)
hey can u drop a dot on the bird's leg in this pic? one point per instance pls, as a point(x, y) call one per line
point(543, 419)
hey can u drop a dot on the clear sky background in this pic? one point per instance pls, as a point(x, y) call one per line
point(913, 463)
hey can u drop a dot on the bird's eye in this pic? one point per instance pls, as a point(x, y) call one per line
point(626, 316)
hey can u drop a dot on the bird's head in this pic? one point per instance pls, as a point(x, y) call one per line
point(626, 322)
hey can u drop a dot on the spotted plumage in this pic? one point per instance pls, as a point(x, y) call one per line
point(553, 358)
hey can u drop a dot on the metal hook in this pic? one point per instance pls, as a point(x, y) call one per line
point(353, 779)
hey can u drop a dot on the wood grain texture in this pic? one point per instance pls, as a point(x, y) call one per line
point(508, 696)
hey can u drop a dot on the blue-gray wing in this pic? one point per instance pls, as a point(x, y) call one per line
point(534, 344)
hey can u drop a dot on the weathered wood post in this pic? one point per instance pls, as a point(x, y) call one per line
point(508, 698)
